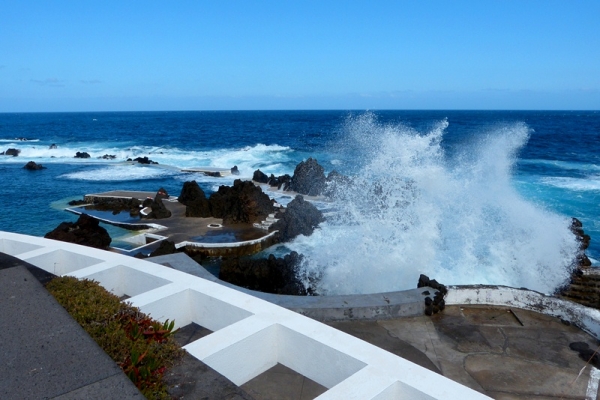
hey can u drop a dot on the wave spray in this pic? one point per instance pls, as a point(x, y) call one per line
point(412, 209)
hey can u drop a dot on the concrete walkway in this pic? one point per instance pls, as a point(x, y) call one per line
point(503, 353)
point(44, 353)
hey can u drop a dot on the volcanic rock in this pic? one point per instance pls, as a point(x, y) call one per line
point(166, 247)
point(162, 193)
point(82, 155)
point(159, 210)
point(309, 178)
point(260, 177)
point(437, 304)
point(235, 170)
point(32, 166)
point(282, 182)
point(195, 201)
point(53, 146)
point(86, 232)
point(108, 157)
point(116, 204)
point(241, 203)
point(142, 160)
point(270, 275)
point(299, 218)
point(12, 152)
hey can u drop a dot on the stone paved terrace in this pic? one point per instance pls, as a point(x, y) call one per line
point(499, 350)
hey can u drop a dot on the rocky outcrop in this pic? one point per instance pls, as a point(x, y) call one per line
point(309, 178)
point(282, 182)
point(241, 203)
point(108, 157)
point(584, 285)
point(159, 210)
point(166, 247)
point(32, 166)
point(162, 194)
point(584, 243)
point(116, 204)
point(299, 218)
point(195, 201)
point(260, 177)
point(270, 275)
point(82, 155)
point(77, 202)
point(11, 152)
point(53, 146)
point(437, 304)
point(142, 160)
point(86, 232)
point(235, 170)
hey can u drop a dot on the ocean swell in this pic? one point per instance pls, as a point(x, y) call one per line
point(413, 209)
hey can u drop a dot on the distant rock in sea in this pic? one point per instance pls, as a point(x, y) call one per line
point(32, 166)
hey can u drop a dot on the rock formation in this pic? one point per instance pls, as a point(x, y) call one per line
point(299, 218)
point(142, 160)
point(82, 155)
point(309, 178)
point(270, 275)
point(241, 203)
point(584, 285)
point(235, 170)
point(437, 304)
point(11, 152)
point(86, 231)
point(282, 182)
point(195, 201)
point(115, 204)
point(166, 247)
point(159, 211)
point(260, 177)
point(32, 166)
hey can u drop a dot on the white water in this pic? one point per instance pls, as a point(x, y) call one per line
point(412, 210)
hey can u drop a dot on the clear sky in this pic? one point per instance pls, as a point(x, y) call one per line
point(212, 55)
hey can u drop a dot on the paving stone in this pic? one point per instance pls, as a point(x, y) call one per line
point(45, 353)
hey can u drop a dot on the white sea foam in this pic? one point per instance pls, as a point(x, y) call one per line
point(119, 173)
point(575, 184)
point(566, 165)
point(411, 210)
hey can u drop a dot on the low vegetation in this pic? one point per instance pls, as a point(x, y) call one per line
point(141, 346)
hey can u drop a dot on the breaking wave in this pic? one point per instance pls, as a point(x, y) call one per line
point(413, 209)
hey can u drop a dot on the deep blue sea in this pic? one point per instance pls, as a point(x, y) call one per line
point(464, 196)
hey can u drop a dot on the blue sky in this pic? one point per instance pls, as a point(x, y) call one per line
point(197, 55)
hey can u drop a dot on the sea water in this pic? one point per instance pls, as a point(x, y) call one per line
point(463, 196)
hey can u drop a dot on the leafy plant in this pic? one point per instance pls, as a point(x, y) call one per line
point(142, 347)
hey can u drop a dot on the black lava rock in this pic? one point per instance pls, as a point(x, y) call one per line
point(299, 218)
point(260, 176)
point(195, 201)
point(309, 178)
point(32, 166)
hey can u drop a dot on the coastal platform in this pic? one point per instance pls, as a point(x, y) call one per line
point(210, 171)
point(491, 341)
point(205, 236)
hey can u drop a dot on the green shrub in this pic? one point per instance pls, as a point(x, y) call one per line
point(142, 347)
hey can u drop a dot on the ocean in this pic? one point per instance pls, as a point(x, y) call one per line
point(462, 196)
